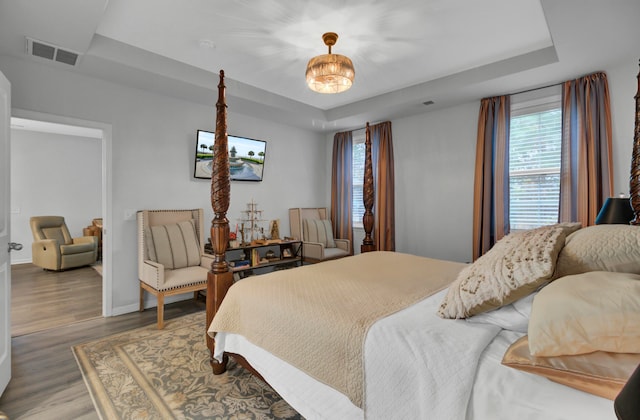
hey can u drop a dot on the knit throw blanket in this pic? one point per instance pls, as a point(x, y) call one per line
point(316, 317)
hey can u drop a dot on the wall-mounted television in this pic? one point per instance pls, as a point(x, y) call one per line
point(246, 157)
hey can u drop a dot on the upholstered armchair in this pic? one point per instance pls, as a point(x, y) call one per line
point(171, 258)
point(314, 229)
point(53, 247)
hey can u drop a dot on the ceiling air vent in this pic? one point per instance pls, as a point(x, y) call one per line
point(51, 52)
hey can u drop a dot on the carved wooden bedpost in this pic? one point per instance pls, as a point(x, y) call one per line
point(634, 182)
point(219, 277)
point(368, 196)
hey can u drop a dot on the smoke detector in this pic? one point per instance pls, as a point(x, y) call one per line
point(51, 52)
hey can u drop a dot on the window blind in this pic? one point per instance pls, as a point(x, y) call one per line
point(358, 144)
point(535, 144)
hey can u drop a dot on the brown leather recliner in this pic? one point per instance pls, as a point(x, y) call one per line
point(53, 247)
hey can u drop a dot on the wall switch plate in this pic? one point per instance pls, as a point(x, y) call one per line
point(129, 214)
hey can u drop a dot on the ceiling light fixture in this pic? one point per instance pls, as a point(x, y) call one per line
point(330, 73)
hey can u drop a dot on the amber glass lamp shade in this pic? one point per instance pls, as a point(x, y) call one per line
point(330, 73)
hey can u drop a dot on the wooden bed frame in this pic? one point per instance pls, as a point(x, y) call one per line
point(220, 278)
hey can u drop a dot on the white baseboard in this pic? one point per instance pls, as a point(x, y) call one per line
point(149, 302)
point(16, 261)
point(121, 310)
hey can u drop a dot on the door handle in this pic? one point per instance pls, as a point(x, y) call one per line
point(15, 246)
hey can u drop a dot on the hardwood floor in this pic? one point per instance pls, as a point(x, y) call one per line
point(42, 299)
point(46, 382)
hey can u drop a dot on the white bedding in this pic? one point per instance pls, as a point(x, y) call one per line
point(410, 351)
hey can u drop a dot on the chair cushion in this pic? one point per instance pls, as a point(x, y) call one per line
point(188, 276)
point(174, 245)
point(77, 248)
point(331, 253)
point(55, 233)
point(319, 230)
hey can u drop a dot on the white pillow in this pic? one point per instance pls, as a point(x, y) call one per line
point(512, 317)
point(587, 312)
point(600, 248)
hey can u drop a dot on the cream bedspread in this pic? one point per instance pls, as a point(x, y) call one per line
point(316, 317)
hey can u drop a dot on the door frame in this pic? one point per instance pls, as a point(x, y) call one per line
point(107, 193)
point(5, 235)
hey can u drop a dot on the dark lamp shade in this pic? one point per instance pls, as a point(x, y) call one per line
point(627, 403)
point(615, 211)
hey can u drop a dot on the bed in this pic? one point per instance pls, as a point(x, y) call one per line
point(440, 340)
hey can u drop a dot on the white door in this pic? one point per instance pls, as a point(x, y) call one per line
point(5, 263)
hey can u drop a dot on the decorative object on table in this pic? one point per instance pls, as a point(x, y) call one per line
point(274, 229)
point(233, 243)
point(615, 211)
point(330, 73)
point(242, 242)
point(255, 257)
point(270, 255)
point(286, 253)
point(250, 224)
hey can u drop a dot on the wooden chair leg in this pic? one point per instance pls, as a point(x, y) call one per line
point(141, 299)
point(160, 311)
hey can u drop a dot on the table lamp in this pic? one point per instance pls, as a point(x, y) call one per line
point(616, 210)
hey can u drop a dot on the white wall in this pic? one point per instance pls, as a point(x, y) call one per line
point(434, 169)
point(153, 145)
point(53, 175)
point(622, 89)
point(434, 165)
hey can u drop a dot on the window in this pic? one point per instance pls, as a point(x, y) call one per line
point(535, 144)
point(357, 173)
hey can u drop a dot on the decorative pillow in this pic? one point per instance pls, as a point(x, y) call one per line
point(599, 373)
point(515, 267)
point(601, 248)
point(175, 245)
point(319, 230)
point(587, 312)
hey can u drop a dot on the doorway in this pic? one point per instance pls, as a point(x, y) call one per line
point(81, 132)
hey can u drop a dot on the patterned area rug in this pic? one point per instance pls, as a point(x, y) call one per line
point(165, 374)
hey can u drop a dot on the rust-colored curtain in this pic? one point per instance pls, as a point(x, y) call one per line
point(342, 186)
point(384, 187)
point(586, 174)
point(491, 187)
